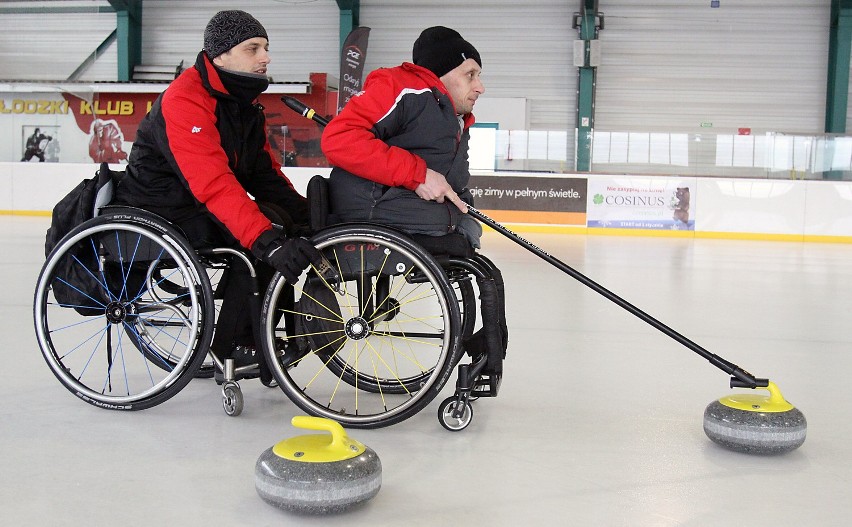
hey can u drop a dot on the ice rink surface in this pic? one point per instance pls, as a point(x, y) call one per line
point(598, 421)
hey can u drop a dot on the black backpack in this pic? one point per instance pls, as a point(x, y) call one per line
point(79, 266)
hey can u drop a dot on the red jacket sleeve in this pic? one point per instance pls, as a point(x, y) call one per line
point(195, 145)
point(349, 142)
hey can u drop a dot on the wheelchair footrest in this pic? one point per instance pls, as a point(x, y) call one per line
point(474, 383)
point(487, 385)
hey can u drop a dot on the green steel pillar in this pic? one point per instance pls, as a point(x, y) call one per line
point(839, 48)
point(837, 82)
point(586, 58)
point(350, 14)
point(128, 15)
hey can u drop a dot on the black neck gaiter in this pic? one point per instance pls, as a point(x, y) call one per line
point(245, 87)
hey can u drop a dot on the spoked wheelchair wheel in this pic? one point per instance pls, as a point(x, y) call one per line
point(123, 311)
point(372, 346)
point(142, 332)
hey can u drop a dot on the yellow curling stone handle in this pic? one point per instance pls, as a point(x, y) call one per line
point(318, 448)
point(759, 403)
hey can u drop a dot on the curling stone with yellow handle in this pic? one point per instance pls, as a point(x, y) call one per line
point(319, 473)
point(755, 424)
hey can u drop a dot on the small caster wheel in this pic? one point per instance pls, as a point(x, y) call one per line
point(445, 415)
point(232, 399)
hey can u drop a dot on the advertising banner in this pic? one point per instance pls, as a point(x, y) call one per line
point(531, 199)
point(352, 59)
point(625, 202)
point(62, 127)
point(81, 125)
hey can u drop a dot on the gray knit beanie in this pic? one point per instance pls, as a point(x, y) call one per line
point(227, 29)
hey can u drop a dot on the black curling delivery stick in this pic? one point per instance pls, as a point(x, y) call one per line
point(740, 378)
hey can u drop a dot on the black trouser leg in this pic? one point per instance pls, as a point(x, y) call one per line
point(234, 324)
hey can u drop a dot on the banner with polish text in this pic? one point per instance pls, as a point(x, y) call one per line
point(352, 58)
point(541, 199)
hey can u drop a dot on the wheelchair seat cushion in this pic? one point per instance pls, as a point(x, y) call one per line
point(453, 244)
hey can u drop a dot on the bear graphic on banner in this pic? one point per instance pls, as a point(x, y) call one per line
point(680, 204)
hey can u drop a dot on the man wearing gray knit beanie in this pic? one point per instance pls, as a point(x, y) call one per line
point(235, 41)
point(227, 29)
point(199, 153)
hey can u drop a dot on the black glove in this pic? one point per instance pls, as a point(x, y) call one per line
point(289, 256)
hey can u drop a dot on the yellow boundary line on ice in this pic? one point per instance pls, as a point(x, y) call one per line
point(597, 231)
point(25, 212)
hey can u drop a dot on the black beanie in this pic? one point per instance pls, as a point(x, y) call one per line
point(441, 49)
point(227, 29)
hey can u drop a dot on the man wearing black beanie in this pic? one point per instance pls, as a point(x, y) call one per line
point(199, 153)
point(400, 148)
point(440, 49)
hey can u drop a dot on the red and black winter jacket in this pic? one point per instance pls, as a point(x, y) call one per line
point(401, 123)
point(386, 136)
point(200, 149)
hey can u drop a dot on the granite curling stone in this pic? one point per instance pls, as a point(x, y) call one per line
point(320, 473)
point(755, 424)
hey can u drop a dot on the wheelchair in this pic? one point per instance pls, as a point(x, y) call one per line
point(367, 340)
